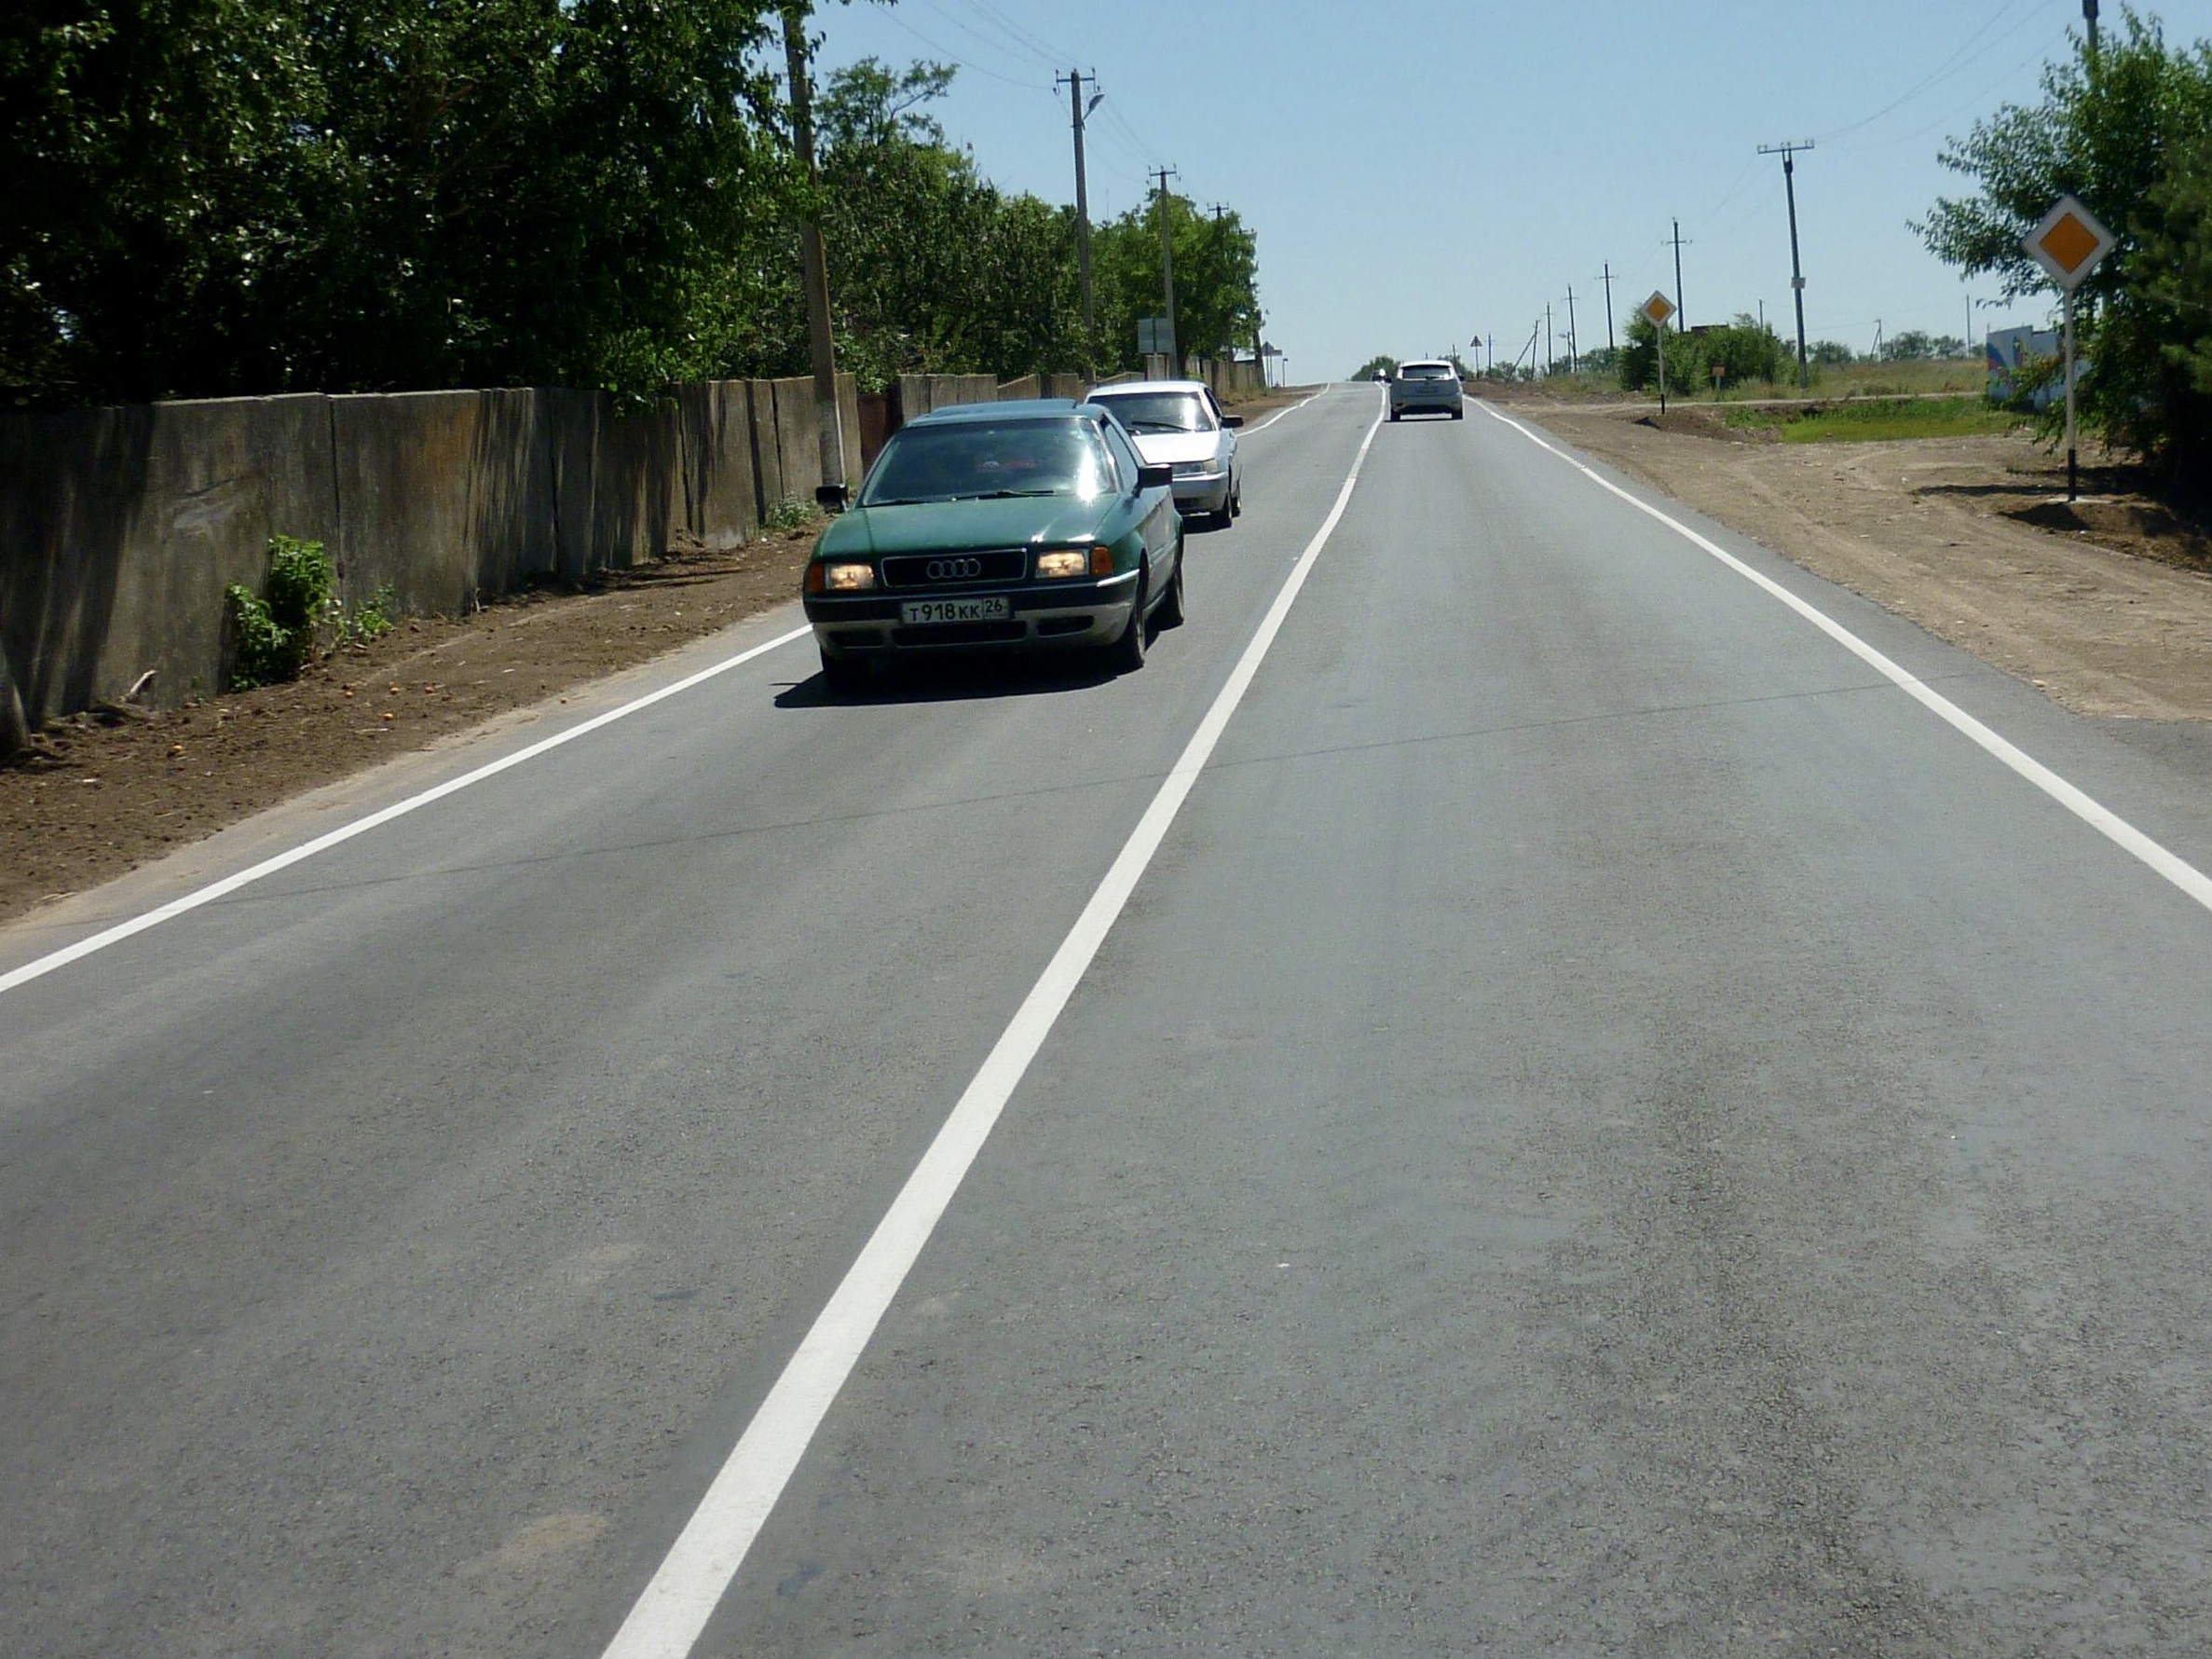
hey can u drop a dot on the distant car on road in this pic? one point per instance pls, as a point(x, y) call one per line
point(997, 525)
point(1179, 423)
point(1427, 388)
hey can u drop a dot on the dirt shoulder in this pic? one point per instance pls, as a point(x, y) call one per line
point(101, 793)
point(2105, 605)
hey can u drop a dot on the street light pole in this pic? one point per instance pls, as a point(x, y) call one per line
point(1078, 111)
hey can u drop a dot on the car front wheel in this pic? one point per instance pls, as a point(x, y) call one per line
point(1171, 612)
point(1127, 653)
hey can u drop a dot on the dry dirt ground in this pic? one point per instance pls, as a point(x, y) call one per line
point(100, 793)
point(2106, 604)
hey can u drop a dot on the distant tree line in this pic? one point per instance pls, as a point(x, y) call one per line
point(207, 197)
point(2129, 131)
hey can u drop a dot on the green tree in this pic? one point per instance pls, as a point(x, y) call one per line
point(1687, 368)
point(2119, 131)
point(156, 154)
point(933, 268)
point(1217, 298)
point(232, 196)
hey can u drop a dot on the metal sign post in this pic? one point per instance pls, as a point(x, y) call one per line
point(1656, 310)
point(2069, 244)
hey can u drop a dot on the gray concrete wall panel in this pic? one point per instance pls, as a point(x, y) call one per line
point(119, 528)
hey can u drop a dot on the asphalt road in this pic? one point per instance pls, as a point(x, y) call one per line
point(1604, 1126)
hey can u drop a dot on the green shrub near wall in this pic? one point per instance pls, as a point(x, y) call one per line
point(273, 638)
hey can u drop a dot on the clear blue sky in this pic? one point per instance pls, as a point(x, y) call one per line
point(1420, 171)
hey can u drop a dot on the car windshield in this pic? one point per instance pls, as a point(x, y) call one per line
point(1425, 371)
point(1160, 411)
point(982, 460)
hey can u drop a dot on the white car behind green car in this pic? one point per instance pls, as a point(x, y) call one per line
point(1179, 424)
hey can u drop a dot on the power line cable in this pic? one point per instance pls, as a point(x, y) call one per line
point(954, 57)
point(1949, 66)
point(1047, 51)
point(1979, 100)
point(972, 33)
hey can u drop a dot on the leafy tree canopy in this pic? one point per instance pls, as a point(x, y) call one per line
point(2129, 132)
point(217, 196)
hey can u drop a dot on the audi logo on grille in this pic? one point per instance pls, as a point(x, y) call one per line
point(953, 570)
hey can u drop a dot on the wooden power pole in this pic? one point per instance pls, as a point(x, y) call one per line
point(1167, 269)
point(813, 269)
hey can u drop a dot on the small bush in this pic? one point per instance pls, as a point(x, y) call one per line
point(372, 618)
point(793, 513)
point(273, 638)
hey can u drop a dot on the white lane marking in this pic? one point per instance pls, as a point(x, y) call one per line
point(345, 832)
point(674, 1607)
point(2099, 818)
point(1291, 410)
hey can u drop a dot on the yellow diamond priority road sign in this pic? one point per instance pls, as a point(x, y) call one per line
point(1659, 307)
point(2067, 243)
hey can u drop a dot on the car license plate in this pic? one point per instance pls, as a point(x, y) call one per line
point(956, 610)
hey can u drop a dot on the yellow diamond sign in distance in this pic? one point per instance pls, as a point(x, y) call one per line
point(2069, 243)
point(1659, 307)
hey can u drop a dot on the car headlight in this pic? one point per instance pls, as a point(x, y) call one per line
point(1210, 468)
point(847, 576)
point(1062, 563)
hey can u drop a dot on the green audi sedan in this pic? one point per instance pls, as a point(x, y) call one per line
point(998, 527)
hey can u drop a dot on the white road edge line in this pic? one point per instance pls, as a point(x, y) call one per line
point(345, 832)
point(674, 1607)
point(1291, 410)
point(2099, 818)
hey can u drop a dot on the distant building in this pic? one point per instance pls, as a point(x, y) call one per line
point(2012, 352)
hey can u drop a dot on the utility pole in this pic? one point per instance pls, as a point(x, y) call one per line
point(1547, 341)
point(1573, 351)
point(2089, 16)
point(1681, 318)
point(1078, 113)
point(814, 270)
point(1608, 281)
point(1789, 178)
point(1167, 269)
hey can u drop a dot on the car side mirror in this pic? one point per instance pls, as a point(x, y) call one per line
point(1232, 420)
point(832, 497)
point(1159, 477)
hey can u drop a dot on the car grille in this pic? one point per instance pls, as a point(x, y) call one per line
point(956, 570)
point(978, 633)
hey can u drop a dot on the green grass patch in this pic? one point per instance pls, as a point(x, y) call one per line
point(1873, 420)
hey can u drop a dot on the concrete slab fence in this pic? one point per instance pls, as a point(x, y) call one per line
point(120, 527)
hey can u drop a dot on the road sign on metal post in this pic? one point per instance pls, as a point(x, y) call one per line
point(2068, 244)
point(1154, 335)
point(1656, 310)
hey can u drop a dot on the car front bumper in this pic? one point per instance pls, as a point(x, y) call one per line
point(1043, 616)
point(1202, 493)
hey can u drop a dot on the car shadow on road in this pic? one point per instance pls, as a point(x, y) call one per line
point(954, 679)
